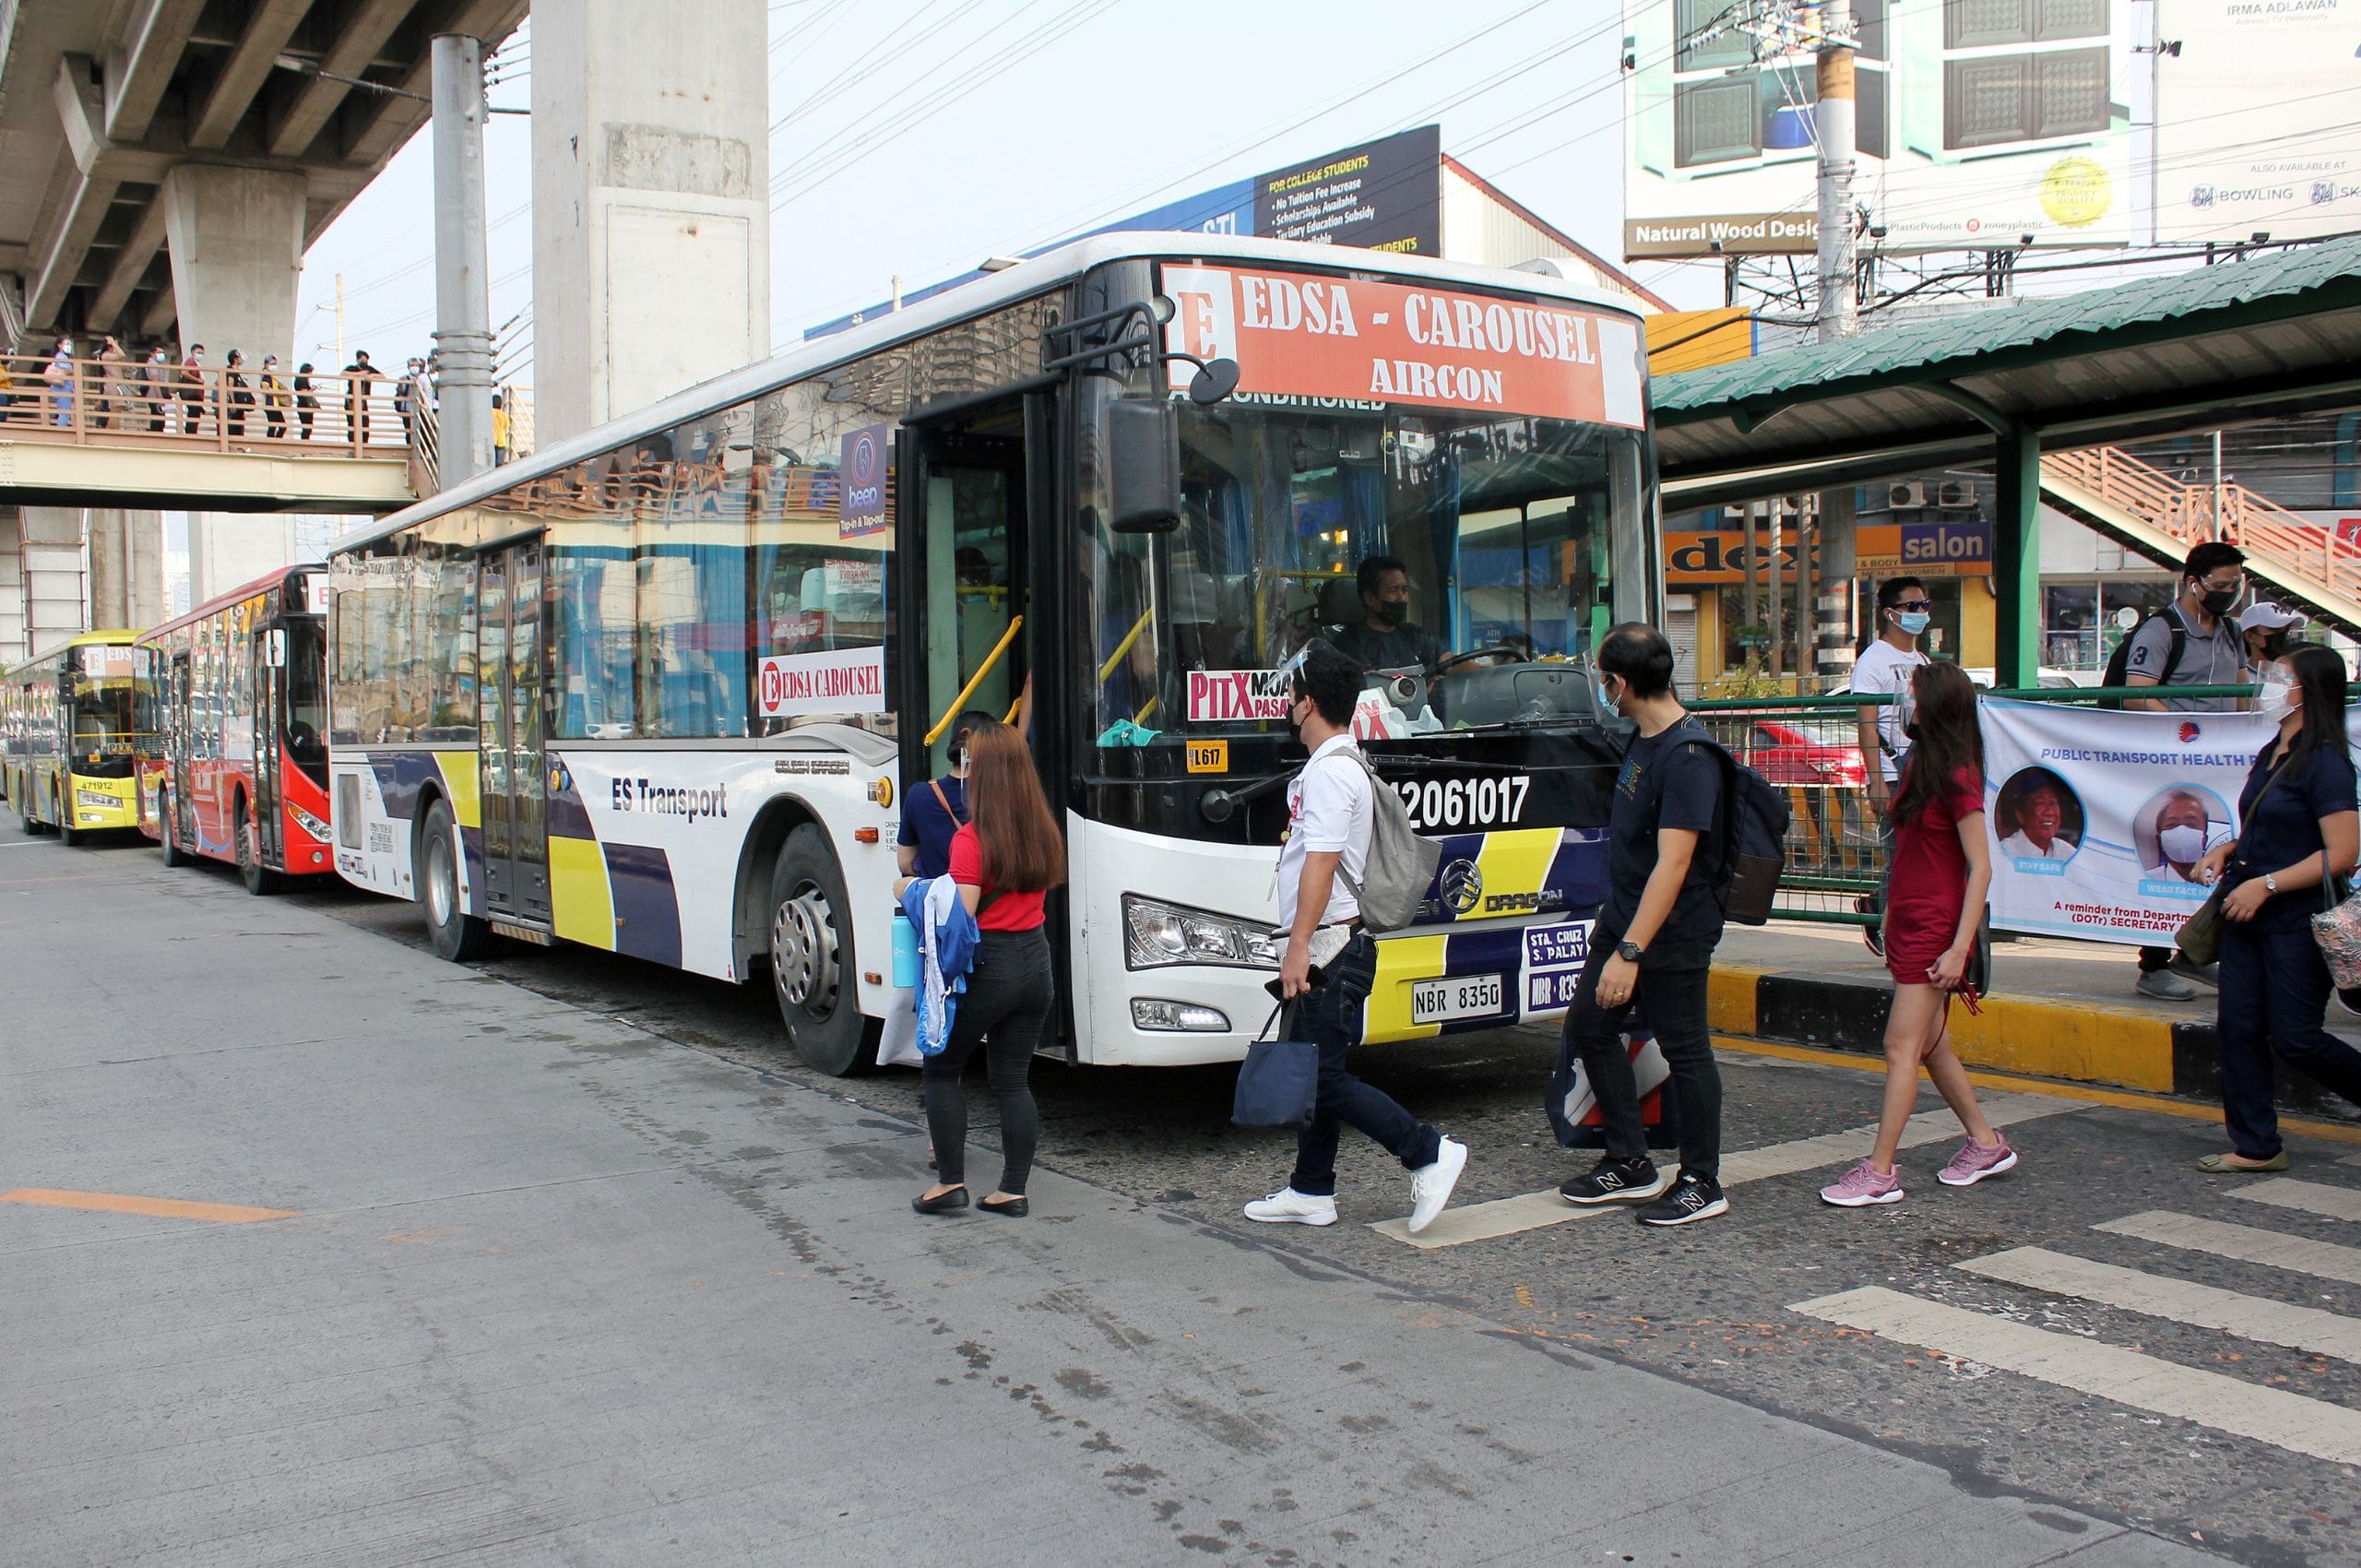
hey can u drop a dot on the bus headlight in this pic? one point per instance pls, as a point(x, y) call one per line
point(310, 824)
point(1177, 1017)
point(1156, 933)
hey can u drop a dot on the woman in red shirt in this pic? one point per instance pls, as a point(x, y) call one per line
point(1004, 859)
point(1942, 868)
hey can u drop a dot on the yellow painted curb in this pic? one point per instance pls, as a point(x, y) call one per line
point(2084, 1041)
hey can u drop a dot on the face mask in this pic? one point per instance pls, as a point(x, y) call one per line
point(1606, 703)
point(1912, 621)
point(1393, 615)
point(2278, 700)
point(2182, 845)
point(2217, 601)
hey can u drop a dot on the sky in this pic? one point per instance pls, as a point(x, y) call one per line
point(918, 136)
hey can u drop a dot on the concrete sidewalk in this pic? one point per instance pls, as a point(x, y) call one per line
point(2058, 1009)
point(559, 1291)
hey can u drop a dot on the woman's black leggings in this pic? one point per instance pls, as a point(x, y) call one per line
point(1006, 1005)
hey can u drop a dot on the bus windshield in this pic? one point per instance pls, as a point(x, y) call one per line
point(1498, 548)
point(99, 744)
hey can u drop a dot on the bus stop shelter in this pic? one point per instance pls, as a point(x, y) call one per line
point(2258, 338)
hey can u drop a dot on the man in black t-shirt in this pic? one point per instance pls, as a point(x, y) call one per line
point(1653, 940)
point(1385, 637)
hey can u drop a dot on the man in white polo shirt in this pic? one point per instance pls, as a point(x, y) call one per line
point(1330, 959)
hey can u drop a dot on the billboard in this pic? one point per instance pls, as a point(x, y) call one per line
point(2254, 122)
point(1381, 196)
point(1979, 123)
point(1384, 195)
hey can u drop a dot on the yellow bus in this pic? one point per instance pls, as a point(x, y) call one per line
point(70, 725)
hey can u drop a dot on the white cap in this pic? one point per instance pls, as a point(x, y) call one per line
point(2271, 618)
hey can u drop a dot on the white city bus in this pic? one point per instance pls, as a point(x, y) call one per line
point(662, 689)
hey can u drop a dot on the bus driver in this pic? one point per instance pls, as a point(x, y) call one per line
point(1385, 637)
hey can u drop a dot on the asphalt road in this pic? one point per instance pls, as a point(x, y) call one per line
point(1571, 1392)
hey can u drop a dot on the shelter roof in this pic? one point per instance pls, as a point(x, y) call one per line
point(2262, 337)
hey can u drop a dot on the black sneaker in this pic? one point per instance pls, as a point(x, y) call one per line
point(1616, 1182)
point(1692, 1197)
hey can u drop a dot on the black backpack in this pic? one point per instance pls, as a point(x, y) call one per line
point(1754, 838)
point(2120, 660)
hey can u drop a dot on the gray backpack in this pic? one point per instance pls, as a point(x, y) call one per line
point(1401, 866)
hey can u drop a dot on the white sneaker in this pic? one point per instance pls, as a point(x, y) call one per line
point(1430, 1185)
point(1288, 1207)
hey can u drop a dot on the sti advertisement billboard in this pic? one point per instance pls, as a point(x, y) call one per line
point(1977, 123)
point(1383, 196)
point(2255, 123)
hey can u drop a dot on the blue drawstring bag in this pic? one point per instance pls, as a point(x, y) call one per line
point(1280, 1080)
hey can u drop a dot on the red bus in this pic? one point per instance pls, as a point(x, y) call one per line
point(237, 769)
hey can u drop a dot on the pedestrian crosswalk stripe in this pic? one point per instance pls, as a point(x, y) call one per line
point(2145, 1383)
point(2181, 1301)
point(2311, 1197)
point(2297, 1254)
point(1531, 1211)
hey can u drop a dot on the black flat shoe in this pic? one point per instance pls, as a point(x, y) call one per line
point(1015, 1208)
point(956, 1198)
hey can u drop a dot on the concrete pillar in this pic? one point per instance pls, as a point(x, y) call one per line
point(236, 240)
point(228, 550)
point(651, 189)
point(127, 567)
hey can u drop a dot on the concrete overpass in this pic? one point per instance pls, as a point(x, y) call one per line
point(163, 163)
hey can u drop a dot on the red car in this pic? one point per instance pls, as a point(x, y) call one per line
point(1786, 754)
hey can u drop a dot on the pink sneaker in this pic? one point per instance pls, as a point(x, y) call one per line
point(1862, 1186)
point(1974, 1161)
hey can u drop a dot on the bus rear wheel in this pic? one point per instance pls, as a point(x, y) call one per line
point(260, 878)
point(812, 962)
point(452, 932)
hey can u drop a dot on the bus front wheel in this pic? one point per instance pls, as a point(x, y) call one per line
point(811, 958)
point(67, 834)
point(452, 932)
point(257, 876)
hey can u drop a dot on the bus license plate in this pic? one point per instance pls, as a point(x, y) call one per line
point(1440, 1001)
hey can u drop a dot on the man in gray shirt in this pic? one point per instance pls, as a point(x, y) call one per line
point(2212, 653)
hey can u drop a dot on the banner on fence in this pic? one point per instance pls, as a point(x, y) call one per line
point(2097, 818)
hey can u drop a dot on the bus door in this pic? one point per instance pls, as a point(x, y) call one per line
point(978, 484)
point(178, 778)
point(510, 683)
point(266, 675)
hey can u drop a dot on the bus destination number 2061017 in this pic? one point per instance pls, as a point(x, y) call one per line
point(1465, 803)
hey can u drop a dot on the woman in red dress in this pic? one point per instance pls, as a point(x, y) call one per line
point(1942, 868)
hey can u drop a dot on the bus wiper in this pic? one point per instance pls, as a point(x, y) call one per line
point(1219, 804)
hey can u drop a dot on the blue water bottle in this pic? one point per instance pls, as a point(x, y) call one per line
point(905, 952)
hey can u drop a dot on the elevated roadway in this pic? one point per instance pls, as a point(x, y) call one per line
point(152, 150)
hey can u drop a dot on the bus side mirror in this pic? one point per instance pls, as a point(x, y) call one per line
point(1143, 453)
point(275, 647)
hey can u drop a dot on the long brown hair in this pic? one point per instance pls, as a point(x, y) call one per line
point(1948, 738)
point(1019, 838)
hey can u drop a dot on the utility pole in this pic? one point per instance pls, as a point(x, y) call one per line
point(1832, 125)
point(462, 296)
point(339, 319)
point(1838, 316)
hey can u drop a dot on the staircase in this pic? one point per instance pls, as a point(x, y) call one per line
point(2142, 508)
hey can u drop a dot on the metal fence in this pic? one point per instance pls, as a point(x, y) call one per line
point(1809, 749)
